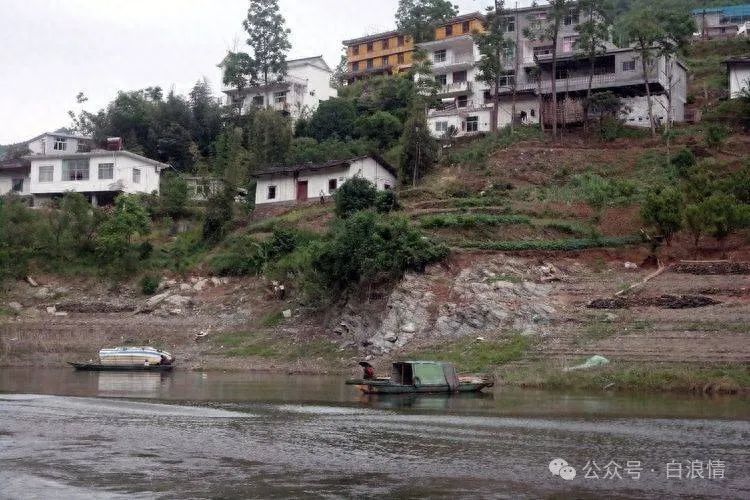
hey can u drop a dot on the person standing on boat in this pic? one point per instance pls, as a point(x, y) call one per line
point(369, 371)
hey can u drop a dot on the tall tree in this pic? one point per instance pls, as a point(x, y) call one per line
point(419, 18)
point(495, 52)
point(239, 70)
point(419, 149)
point(270, 138)
point(593, 34)
point(268, 37)
point(548, 29)
point(657, 28)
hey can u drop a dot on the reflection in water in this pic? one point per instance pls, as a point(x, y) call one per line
point(135, 384)
point(423, 401)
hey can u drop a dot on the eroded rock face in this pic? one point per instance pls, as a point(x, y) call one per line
point(483, 298)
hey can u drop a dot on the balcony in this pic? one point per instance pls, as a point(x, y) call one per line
point(454, 62)
point(454, 109)
point(454, 89)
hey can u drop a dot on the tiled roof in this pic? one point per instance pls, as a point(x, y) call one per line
point(302, 167)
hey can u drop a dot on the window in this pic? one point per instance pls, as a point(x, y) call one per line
point(387, 187)
point(532, 113)
point(466, 26)
point(75, 170)
point(46, 173)
point(258, 100)
point(462, 101)
point(510, 24)
point(385, 44)
point(271, 192)
point(401, 58)
point(370, 63)
point(279, 97)
point(628, 65)
point(449, 30)
point(83, 147)
point(459, 76)
point(568, 43)
point(332, 183)
point(571, 18)
point(106, 171)
point(439, 56)
point(355, 50)
point(472, 124)
point(401, 41)
point(17, 185)
point(370, 47)
point(441, 79)
point(384, 62)
point(355, 66)
point(60, 144)
point(441, 126)
point(507, 79)
point(562, 73)
point(136, 175)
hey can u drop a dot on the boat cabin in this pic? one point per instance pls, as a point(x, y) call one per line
point(424, 373)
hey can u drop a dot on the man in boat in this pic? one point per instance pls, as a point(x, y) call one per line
point(369, 371)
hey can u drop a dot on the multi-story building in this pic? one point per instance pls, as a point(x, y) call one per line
point(722, 22)
point(58, 162)
point(307, 82)
point(383, 53)
point(466, 103)
point(738, 70)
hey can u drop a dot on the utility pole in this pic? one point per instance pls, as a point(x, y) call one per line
point(416, 162)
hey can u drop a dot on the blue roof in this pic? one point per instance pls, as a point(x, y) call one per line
point(729, 10)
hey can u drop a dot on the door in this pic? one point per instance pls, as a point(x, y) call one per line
point(301, 190)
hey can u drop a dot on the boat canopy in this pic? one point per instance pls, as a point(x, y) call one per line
point(424, 373)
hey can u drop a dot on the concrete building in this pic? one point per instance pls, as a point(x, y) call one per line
point(307, 82)
point(297, 183)
point(722, 22)
point(738, 69)
point(386, 53)
point(466, 103)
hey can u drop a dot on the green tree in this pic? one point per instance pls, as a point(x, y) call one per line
point(496, 51)
point(549, 30)
point(334, 119)
point(115, 235)
point(268, 37)
point(173, 195)
point(239, 70)
point(354, 195)
point(381, 127)
point(419, 150)
point(232, 160)
point(206, 119)
point(218, 216)
point(723, 216)
point(419, 18)
point(663, 209)
point(593, 32)
point(271, 138)
point(695, 221)
point(716, 135)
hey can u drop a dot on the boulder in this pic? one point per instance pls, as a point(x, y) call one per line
point(200, 285)
point(185, 287)
point(215, 281)
point(287, 313)
point(157, 299)
point(51, 310)
point(42, 293)
point(177, 300)
point(15, 306)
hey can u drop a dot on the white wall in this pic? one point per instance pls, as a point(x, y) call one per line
point(638, 117)
point(122, 176)
point(739, 78)
point(6, 183)
point(317, 181)
point(46, 145)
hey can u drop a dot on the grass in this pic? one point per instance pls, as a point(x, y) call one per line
point(478, 151)
point(634, 377)
point(598, 329)
point(552, 245)
point(265, 345)
point(472, 355)
point(272, 319)
point(292, 217)
point(470, 220)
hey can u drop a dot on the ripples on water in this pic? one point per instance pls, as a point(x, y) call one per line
point(235, 435)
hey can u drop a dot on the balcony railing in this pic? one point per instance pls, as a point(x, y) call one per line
point(455, 88)
point(454, 61)
point(453, 108)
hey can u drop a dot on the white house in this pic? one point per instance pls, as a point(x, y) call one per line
point(99, 174)
point(14, 177)
point(59, 142)
point(739, 75)
point(307, 82)
point(301, 182)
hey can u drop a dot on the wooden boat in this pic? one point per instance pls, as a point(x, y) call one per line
point(98, 367)
point(427, 377)
point(129, 359)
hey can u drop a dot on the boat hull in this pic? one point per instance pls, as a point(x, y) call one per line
point(95, 367)
point(376, 387)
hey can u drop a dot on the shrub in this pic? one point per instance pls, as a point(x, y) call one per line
point(683, 161)
point(381, 127)
point(386, 201)
point(722, 215)
point(173, 196)
point(218, 216)
point(663, 209)
point(244, 256)
point(553, 245)
point(716, 135)
point(354, 195)
point(149, 284)
point(471, 220)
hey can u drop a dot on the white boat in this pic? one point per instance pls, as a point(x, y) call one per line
point(134, 356)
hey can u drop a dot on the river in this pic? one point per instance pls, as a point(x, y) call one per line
point(237, 435)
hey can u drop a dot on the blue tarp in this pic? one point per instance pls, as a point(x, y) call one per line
point(729, 10)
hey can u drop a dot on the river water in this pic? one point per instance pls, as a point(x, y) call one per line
point(236, 435)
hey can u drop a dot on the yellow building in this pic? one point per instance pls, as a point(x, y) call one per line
point(382, 53)
point(392, 52)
